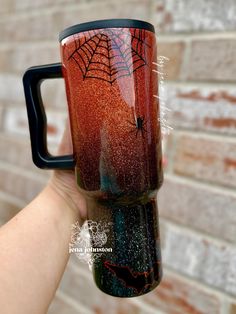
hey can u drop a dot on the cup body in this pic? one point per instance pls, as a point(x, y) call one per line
point(110, 85)
point(112, 93)
point(114, 115)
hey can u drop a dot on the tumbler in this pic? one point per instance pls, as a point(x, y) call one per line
point(111, 87)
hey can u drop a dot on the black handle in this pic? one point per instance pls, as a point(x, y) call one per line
point(37, 118)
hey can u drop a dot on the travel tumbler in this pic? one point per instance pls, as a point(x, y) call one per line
point(110, 85)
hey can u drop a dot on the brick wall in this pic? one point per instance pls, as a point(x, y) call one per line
point(197, 201)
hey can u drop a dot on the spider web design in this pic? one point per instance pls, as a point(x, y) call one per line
point(110, 54)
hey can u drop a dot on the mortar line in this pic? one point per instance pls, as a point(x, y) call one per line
point(197, 233)
point(218, 137)
point(170, 154)
point(230, 137)
point(197, 230)
point(199, 284)
point(191, 36)
point(162, 38)
point(145, 306)
point(70, 301)
point(47, 10)
point(206, 183)
point(12, 199)
point(230, 297)
point(200, 184)
point(183, 73)
point(188, 83)
point(25, 173)
point(30, 44)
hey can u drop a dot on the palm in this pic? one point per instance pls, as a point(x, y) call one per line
point(64, 180)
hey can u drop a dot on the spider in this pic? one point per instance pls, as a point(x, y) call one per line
point(139, 125)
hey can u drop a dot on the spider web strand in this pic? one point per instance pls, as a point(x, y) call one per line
point(106, 57)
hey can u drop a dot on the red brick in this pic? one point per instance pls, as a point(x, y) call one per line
point(37, 4)
point(206, 209)
point(174, 52)
point(54, 95)
point(206, 158)
point(138, 9)
point(53, 21)
point(1, 117)
point(199, 257)
point(4, 59)
point(190, 15)
point(232, 308)
point(32, 27)
point(64, 305)
point(6, 6)
point(7, 210)
point(202, 107)
point(17, 151)
point(20, 184)
point(176, 295)
point(7, 92)
point(11, 6)
point(42, 4)
point(116, 307)
point(18, 59)
point(212, 59)
point(16, 122)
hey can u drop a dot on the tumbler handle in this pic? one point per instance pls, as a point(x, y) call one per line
point(32, 80)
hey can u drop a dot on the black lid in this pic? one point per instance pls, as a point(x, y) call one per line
point(112, 23)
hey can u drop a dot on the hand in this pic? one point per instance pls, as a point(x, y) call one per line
point(63, 182)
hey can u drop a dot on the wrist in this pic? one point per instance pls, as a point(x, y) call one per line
point(63, 188)
point(58, 200)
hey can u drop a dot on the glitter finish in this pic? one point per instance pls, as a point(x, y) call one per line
point(117, 146)
point(134, 266)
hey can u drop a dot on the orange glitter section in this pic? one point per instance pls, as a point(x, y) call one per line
point(110, 85)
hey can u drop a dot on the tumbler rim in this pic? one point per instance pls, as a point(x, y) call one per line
point(108, 23)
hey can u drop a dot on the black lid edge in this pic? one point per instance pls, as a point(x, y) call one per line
point(111, 23)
